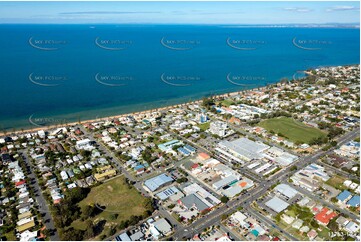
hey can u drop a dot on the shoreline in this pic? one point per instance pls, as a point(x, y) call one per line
point(166, 108)
point(307, 72)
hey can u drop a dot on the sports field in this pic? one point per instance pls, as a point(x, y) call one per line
point(291, 129)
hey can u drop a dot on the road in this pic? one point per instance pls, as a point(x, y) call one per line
point(215, 215)
point(136, 183)
point(321, 200)
point(40, 200)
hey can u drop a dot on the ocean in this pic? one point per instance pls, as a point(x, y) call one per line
point(53, 74)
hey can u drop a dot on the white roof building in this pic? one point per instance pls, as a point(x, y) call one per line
point(277, 204)
point(286, 190)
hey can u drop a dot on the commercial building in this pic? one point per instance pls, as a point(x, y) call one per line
point(171, 192)
point(244, 149)
point(197, 189)
point(168, 145)
point(195, 201)
point(310, 177)
point(157, 182)
point(123, 237)
point(83, 144)
point(286, 190)
point(218, 128)
point(163, 226)
point(277, 204)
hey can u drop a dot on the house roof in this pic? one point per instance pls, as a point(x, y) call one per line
point(26, 226)
point(19, 183)
point(343, 195)
point(325, 216)
point(354, 201)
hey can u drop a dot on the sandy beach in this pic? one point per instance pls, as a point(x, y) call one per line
point(50, 127)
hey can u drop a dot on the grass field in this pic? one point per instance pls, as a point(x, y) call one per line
point(227, 102)
point(204, 126)
point(291, 129)
point(117, 198)
point(336, 182)
point(10, 236)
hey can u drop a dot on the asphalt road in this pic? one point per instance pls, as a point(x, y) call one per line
point(137, 183)
point(43, 206)
point(215, 216)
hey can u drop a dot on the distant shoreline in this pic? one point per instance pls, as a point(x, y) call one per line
point(225, 25)
point(166, 108)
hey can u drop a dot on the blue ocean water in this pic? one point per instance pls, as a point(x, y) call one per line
point(63, 73)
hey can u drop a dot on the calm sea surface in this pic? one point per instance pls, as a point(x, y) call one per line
point(62, 73)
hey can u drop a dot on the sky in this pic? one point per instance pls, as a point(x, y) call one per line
point(181, 12)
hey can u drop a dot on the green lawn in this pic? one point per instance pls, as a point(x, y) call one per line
point(227, 102)
point(291, 129)
point(336, 182)
point(10, 236)
point(204, 126)
point(117, 198)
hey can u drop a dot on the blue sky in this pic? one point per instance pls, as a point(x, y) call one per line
point(180, 12)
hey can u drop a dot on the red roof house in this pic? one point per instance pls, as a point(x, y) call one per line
point(325, 216)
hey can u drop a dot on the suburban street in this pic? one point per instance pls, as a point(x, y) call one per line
point(40, 200)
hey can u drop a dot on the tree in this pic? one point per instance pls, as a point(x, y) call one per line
point(112, 231)
point(224, 199)
point(224, 216)
point(114, 216)
point(332, 225)
point(72, 234)
point(207, 102)
point(88, 211)
point(293, 168)
point(182, 179)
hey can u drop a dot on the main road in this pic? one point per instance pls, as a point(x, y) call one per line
point(215, 216)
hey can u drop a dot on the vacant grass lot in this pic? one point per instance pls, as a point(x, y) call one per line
point(117, 198)
point(336, 182)
point(291, 129)
point(227, 102)
point(204, 126)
